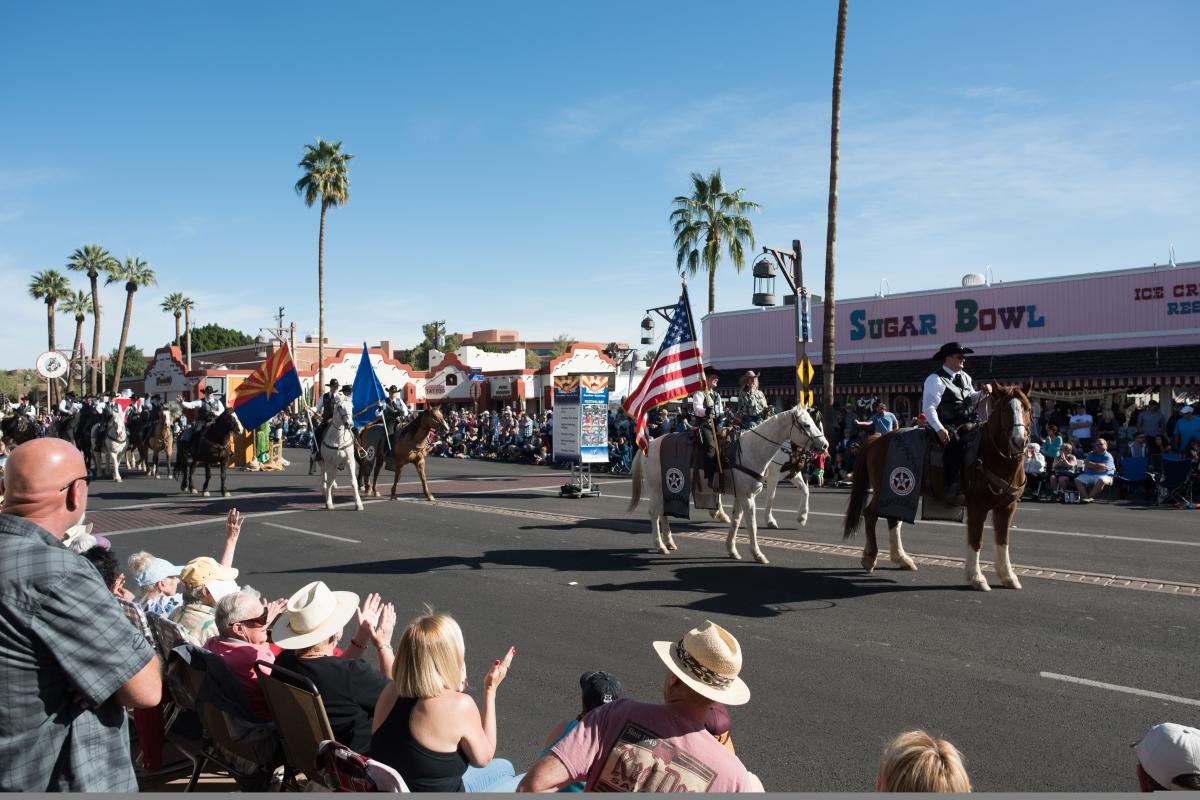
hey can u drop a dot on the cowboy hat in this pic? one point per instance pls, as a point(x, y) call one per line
point(707, 659)
point(313, 615)
point(393, 388)
point(749, 376)
point(347, 389)
point(712, 372)
point(952, 349)
point(333, 382)
point(208, 389)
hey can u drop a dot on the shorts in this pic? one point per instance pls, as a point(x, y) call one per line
point(1089, 480)
point(820, 473)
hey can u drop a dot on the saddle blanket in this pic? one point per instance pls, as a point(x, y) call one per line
point(675, 461)
point(900, 490)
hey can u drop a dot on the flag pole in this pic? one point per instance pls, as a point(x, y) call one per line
point(712, 423)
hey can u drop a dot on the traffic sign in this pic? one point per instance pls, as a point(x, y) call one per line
point(805, 372)
point(51, 364)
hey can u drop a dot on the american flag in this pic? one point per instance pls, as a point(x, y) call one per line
point(677, 370)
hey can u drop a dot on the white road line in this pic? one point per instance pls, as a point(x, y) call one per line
point(1118, 688)
point(311, 533)
point(217, 518)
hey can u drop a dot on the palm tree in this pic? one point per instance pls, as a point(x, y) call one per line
point(706, 220)
point(78, 304)
point(187, 304)
point(562, 345)
point(49, 285)
point(325, 178)
point(827, 348)
point(134, 272)
point(92, 259)
point(174, 304)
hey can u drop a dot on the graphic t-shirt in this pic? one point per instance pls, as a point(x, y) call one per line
point(626, 746)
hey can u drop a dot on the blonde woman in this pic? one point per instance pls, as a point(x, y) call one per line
point(426, 727)
point(159, 581)
point(917, 762)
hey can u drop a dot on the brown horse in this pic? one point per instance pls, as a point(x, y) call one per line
point(409, 445)
point(994, 484)
point(160, 440)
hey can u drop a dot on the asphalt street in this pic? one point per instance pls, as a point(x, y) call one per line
point(1044, 689)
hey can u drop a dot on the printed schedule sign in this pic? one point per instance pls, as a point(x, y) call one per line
point(581, 418)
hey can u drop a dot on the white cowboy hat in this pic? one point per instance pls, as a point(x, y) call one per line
point(314, 614)
point(707, 659)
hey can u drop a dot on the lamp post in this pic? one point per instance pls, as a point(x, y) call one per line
point(764, 295)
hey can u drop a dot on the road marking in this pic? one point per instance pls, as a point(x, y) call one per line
point(1113, 687)
point(216, 519)
point(311, 533)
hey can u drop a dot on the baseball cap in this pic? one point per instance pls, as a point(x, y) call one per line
point(599, 687)
point(1186, 410)
point(155, 571)
point(204, 570)
point(1168, 751)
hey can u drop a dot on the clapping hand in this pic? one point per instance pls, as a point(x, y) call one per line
point(387, 623)
point(368, 615)
point(274, 609)
point(499, 670)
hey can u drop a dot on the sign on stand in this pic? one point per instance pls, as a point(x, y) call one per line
point(581, 428)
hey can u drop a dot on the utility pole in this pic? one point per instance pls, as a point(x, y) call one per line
point(280, 315)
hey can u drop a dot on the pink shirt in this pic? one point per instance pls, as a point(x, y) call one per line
point(626, 746)
point(240, 656)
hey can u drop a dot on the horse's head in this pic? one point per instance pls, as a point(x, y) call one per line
point(1012, 412)
point(805, 434)
point(232, 421)
point(439, 420)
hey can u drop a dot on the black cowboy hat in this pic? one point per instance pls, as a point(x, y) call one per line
point(347, 389)
point(333, 382)
point(208, 389)
point(952, 349)
point(712, 372)
point(393, 388)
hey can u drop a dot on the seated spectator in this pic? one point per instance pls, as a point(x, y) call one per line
point(597, 688)
point(1035, 466)
point(159, 581)
point(426, 727)
point(243, 620)
point(205, 582)
point(917, 762)
point(1064, 470)
point(1169, 759)
point(102, 558)
point(1098, 471)
point(671, 749)
point(1187, 429)
point(350, 688)
point(1138, 447)
point(1106, 427)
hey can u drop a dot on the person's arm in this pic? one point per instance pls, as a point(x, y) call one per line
point(479, 742)
point(233, 528)
point(143, 690)
point(547, 775)
point(383, 639)
point(753, 784)
point(368, 618)
point(930, 397)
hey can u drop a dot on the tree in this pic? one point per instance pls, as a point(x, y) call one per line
point(188, 304)
point(134, 273)
point(532, 360)
point(211, 337)
point(49, 286)
point(133, 366)
point(706, 220)
point(92, 259)
point(173, 303)
point(562, 345)
point(78, 305)
point(325, 178)
point(827, 348)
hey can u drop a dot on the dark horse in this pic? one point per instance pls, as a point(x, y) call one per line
point(994, 484)
point(18, 429)
point(84, 420)
point(408, 447)
point(208, 448)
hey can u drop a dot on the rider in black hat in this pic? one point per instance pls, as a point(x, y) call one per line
point(325, 407)
point(707, 408)
point(948, 402)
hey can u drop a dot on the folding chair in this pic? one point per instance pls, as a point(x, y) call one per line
point(340, 769)
point(1135, 472)
point(1176, 483)
point(166, 635)
point(137, 618)
point(300, 715)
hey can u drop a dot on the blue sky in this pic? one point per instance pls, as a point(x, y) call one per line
point(515, 162)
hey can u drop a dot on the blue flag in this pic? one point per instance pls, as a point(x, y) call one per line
point(368, 392)
point(268, 390)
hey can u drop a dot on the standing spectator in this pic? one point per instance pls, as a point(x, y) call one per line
point(916, 762)
point(818, 461)
point(882, 421)
point(1052, 443)
point(70, 660)
point(1169, 759)
point(1186, 429)
point(627, 746)
point(1081, 428)
point(1150, 420)
point(243, 620)
point(1106, 427)
point(1098, 471)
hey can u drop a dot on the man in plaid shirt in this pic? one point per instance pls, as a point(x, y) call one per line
point(69, 661)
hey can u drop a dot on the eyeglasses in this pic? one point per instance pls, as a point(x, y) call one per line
point(85, 478)
point(257, 622)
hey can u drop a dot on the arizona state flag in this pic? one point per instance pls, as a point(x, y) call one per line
point(268, 390)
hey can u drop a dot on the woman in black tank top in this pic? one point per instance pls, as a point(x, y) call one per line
point(422, 769)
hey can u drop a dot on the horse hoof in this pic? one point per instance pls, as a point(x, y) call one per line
point(803, 520)
point(672, 546)
point(772, 524)
point(980, 583)
point(905, 563)
point(329, 506)
point(1011, 582)
point(735, 555)
point(760, 558)
point(358, 507)
point(662, 551)
point(226, 494)
point(194, 492)
point(869, 563)
point(208, 494)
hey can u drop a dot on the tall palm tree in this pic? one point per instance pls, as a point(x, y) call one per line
point(325, 178)
point(50, 286)
point(827, 341)
point(174, 304)
point(134, 273)
point(706, 220)
point(92, 259)
point(187, 304)
point(79, 305)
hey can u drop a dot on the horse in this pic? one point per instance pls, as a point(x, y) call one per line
point(788, 461)
point(158, 439)
point(136, 423)
point(408, 445)
point(995, 483)
point(758, 446)
point(17, 428)
point(208, 448)
point(109, 440)
point(88, 417)
point(376, 447)
point(338, 447)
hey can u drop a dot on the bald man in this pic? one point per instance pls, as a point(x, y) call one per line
point(69, 660)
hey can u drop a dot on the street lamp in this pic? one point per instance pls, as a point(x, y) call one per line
point(764, 283)
point(764, 295)
point(647, 329)
point(261, 341)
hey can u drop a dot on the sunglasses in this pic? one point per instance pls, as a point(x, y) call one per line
point(85, 478)
point(257, 622)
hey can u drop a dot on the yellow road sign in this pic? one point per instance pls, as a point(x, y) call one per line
point(805, 372)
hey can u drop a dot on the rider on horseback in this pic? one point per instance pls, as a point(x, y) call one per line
point(948, 403)
point(208, 409)
point(325, 408)
point(707, 408)
point(752, 403)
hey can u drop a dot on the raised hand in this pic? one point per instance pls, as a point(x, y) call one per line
point(387, 624)
point(368, 615)
point(274, 609)
point(233, 524)
point(499, 670)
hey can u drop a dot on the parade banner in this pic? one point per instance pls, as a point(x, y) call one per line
point(566, 418)
point(581, 418)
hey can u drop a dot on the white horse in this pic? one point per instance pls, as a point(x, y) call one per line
point(774, 473)
point(110, 441)
point(337, 449)
point(758, 446)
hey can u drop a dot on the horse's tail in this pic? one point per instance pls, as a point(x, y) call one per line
point(636, 492)
point(858, 498)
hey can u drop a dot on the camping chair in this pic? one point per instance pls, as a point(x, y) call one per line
point(1135, 472)
point(340, 769)
point(1176, 482)
point(300, 714)
point(137, 618)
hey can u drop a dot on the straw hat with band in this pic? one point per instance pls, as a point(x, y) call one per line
point(313, 615)
point(707, 659)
